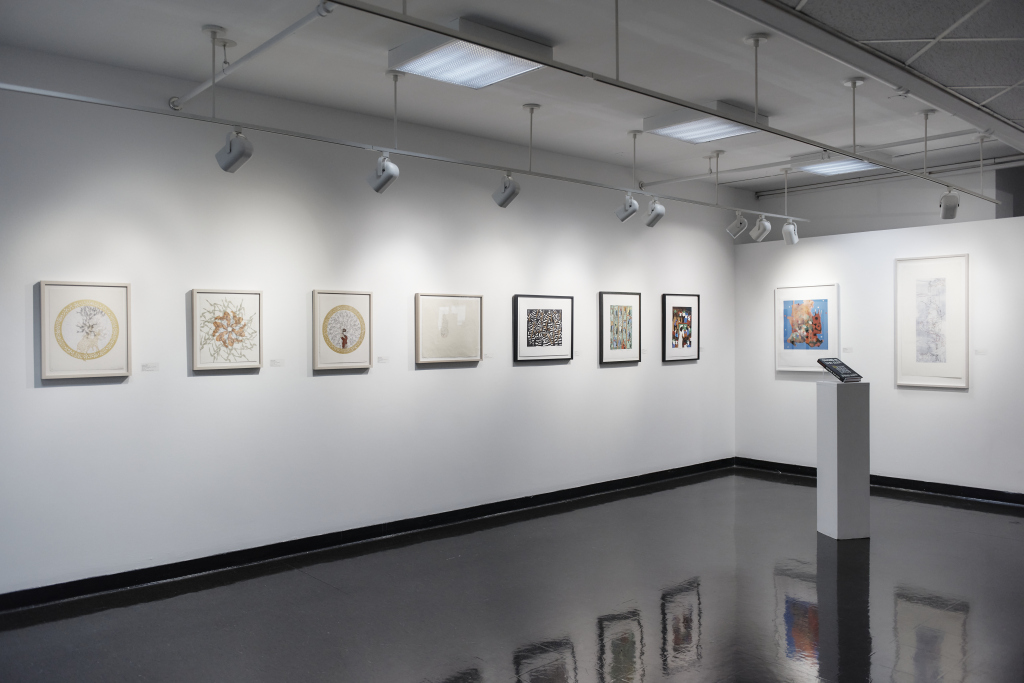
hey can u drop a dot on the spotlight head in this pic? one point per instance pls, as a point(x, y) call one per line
point(235, 153)
point(506, 192)
point(761, 229)
point(948, 204)
point(738, 226)
point(387, 173)
point(628, 208)
point(789, 233)
point(655, 212)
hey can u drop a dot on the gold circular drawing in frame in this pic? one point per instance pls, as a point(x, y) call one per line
point(91, 327)
point(341, 324)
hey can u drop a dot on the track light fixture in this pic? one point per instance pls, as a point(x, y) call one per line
point(628, 208)
point(655, 212)
point(761, 229)
point(948, 204)
point(235, 152)
point(789, 233)
point(738, 226)
point(387, 173)
point(508, 191)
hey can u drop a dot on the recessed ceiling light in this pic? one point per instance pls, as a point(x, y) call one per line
point(696, 127)
point(455, 61)
point(822, 163)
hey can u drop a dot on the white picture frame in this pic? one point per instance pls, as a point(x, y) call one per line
point(542, 327)
point(932, 311)
point(342, 330)
point(680, 327)
point(223, 334)
point(449, 328)
point(85, 329)
point(620, 319)
point(798, 342)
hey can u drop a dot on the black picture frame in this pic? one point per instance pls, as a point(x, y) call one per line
point(607, 626)
point(675, 658)
point(546, 654)
point(516, 356)
point(664, 329)
point(635, 331)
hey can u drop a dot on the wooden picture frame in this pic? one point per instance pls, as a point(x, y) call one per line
point(342, 330)
point(85, 329)
point(223, 337)
point(449, 328)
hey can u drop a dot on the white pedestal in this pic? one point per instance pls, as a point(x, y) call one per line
point(844, 460)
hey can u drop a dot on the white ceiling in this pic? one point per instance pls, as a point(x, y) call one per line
point(692, 49)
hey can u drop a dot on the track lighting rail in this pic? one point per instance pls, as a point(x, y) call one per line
point(374, 148)
point(637, 89)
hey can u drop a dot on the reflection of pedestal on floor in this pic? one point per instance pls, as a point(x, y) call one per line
point(844, 627)
point(844, 460)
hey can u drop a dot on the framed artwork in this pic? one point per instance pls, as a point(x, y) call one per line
point(796, 620)
point(806, 327)
point(449, 328)
point(342, 330)
point(932, 322)
point(227, 329)
point(620, 641)
point(680, 327)
point(86, 329)
point(680, 627)
point(542, 327)
point(553, 661)
point(620, 327)
point(931, 638)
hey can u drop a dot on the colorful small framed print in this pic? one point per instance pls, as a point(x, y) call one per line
point(680, 327)
point(227, 329)
point(806, 327)
point(86, 329)
point(342, 330)
point(620, 327)
point(542, 327)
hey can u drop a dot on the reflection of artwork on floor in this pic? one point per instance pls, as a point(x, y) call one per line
point(543, 327)
point(680, 627)
point(931, 638)
point(553, 661)
point(86, 329)
point(467, 676)
point(805, 324)
point(621, 327)
point(344, 329)
point(620, 639)
point(682, 321)
point(796, 620)
point(228, 332)
point(931, 320)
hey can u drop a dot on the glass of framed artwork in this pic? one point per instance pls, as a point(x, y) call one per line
point(680, 327)
point(342, 330)
point(806, 327)
point(620, 327)
point(542, 327)
point(86, 329)
point(680, 627)
point(620, 642)
point(932, 322)
point(449, 328)
point(227, 329)
point(551, 661)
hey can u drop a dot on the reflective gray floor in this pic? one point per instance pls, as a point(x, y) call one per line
point(715, 578)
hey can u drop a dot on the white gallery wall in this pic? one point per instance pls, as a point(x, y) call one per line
point(101, 476)
point(966, 437)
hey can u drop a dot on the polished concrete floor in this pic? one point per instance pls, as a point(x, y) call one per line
point(710, 578)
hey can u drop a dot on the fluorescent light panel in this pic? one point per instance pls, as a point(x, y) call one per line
point(462, 63)
point(838, 167)
point(696, 127)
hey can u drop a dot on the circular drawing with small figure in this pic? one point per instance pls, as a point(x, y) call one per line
point(86, 329)
point(344, 329)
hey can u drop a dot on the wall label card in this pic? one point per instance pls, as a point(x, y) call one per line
point(806, 327)
point(932, 322)
point(449, 328)
point(86, 329)
point(620, 327)
point(680, 327)
point(542, 327)
point(227, 329)
point(342, 330)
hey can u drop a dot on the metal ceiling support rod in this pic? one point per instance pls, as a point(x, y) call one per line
point(616, 39)
point(395, 75)
point(532, 107)
point(10, 87)
point(926, 113)
point(785, 191)
point(322, 10)
point(852, 84)
point(368, 8)
point(981, 163)
point(756, 39)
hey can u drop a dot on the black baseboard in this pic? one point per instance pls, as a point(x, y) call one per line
point(32, 597)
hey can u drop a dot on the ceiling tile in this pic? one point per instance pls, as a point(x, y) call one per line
point(973, 63)
point(977, 94)
point(880, 19)
point(1010, 105)
point(901, 51)
point(998, 19)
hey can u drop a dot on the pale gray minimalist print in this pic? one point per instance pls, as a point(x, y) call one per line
point(931, 320)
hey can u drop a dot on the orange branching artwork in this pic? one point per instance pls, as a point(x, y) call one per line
point(228, 334)
point(229, 328)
